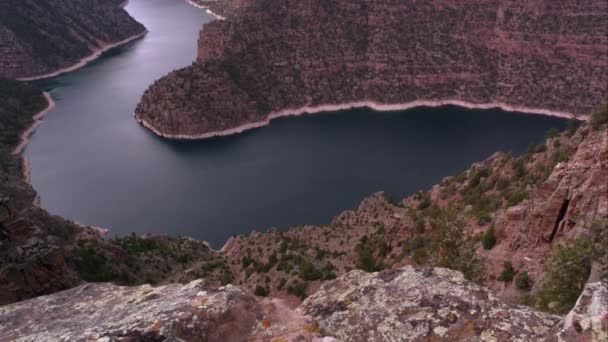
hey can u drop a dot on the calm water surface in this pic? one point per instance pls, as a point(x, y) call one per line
point(91, 162)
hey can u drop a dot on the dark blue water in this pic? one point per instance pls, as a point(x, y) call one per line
point(91, 162)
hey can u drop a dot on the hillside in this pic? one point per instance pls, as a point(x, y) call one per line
point(40, 37)
point(272, 58)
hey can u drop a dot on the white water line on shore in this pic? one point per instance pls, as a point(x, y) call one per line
point(37, 120)
point(361, 104)
point(217, 16)
point(84, 61)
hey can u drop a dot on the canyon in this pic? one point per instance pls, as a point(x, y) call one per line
point(74, 33)
point(271, 58)
point(315, 282)
point(511, 248)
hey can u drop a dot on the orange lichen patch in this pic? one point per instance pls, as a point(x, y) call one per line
point(156, 326)
point(266, 323)
point(312, 328)
point(466, 330)
point(199, 300)
point(279, 339)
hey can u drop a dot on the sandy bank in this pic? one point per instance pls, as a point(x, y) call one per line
point(362, 104)
point(37, 119)
point(94, 55)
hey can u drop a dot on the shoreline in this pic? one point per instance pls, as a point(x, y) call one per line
point(37, 120)
point(375, 106)
point(86, 60)
point(210, 12)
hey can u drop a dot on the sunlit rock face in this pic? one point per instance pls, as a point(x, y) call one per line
point(269, 56)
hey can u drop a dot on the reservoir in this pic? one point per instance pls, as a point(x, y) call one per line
point(92, 163)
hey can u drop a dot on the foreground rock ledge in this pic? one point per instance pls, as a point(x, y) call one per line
point(397, 304)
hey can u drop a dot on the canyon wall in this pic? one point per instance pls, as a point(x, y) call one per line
point(39, 37)
point(271, 56)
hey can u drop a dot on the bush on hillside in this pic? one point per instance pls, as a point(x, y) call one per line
point(566, 271)
point(599, 117)
point(488, 239)
point(507, 272)
point(523, 281)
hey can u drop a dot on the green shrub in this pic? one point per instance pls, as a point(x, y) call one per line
point(420, 227)
point(502, 184)
point(523, 281)
point(551, 133)
point(328, 271)
point(519, 168)
point(261, 291)
point(507, 272)
point(516, 197)
point(566, 271)
point(93, 267)
point(420, 256)
point(297, 289)
point(599, 117)
point(425, 200)
point(309, 272)
point(453, 248)
point(488, 240)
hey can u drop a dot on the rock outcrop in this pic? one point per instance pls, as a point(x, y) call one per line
point(276, 57)
point(405, 304)
point(191, 312)
point(41, 37)
point(417, 305)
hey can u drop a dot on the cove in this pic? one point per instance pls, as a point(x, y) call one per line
point(91, 161)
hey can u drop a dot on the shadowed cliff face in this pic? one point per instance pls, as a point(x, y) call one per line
point(41, 36)
point(273, 55)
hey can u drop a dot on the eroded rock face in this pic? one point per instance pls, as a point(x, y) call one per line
point(416, 304)
point(41, 36)
point(274, 55)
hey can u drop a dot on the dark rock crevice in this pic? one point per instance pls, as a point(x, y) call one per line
point(560, 218)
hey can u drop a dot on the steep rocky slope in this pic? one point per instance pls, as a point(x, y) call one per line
point(515, 210)
point(397, 305)
point(272, 57)
point(39, 37)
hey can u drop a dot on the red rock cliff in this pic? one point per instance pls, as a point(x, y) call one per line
point(274, 55)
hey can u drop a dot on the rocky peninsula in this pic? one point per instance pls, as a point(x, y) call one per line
point(271, 58)
point(74, 33)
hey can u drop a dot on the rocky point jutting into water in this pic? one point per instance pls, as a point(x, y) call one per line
point(273, 57)
point(42, 37)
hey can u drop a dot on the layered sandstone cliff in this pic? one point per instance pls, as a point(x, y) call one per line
point(274, 57)
point(42, 37)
